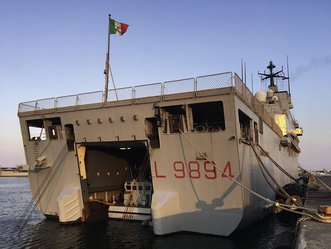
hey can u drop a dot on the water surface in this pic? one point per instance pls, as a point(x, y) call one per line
point(39, 232)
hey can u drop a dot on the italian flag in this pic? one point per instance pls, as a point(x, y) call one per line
point(117, 28)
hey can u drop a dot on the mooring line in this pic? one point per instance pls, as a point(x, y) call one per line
point(316, 178)
point(312, 212)
point(277, 165)
point(41, 190)
point(223, 173)
point(261, 164)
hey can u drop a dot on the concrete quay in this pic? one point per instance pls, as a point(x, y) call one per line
point(313, 234)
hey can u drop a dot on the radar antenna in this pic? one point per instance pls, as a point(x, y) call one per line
point(271, 75)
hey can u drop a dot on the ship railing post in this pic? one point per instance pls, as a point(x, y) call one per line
point(77, 101)
point(36, 105)
point(55, 103)
point(133, 95)
point(104, 97)
point(232, 80)
point(162, 91)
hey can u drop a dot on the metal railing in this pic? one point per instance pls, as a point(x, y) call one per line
point(148, 90)
point(64, 101)
point(191, 85)
point(89, 98)
point(164, 90)
point(124, 93)
point(179, 86)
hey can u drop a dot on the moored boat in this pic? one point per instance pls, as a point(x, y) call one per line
point(169, 152)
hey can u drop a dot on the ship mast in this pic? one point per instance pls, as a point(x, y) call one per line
point(271, 75)
point(106, 72)
point(108, 68)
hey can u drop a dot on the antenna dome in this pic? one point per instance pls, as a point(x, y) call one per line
point(261, 96)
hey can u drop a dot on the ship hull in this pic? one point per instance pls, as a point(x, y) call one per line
point(174, 157)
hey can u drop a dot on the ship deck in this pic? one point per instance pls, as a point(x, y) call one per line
point(201, 86)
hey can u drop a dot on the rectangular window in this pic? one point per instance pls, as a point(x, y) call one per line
point(245, 126)
point(152, 132)
point(175, 119)
point(207, 117)
point(256, 133)
point(175, 123)
point(43, 129)
point(53, 132)
point(70, 136)
point(36, 129)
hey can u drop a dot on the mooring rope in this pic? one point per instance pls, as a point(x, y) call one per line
point(226, 175)
point(277, 165)
point(316, 178)
point(292, 198)
point(41, 190)
point(261, 164)
point(312, 213)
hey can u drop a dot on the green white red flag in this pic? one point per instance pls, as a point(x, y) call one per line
point(117, 28)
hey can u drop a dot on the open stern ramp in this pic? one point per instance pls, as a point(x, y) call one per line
point(116, 175)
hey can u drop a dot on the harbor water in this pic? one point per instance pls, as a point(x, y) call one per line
point(275, 231)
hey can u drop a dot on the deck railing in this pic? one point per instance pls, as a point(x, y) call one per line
point(162, 91)
point(191, 85)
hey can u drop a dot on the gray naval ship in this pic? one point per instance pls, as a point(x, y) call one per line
point(174, 153)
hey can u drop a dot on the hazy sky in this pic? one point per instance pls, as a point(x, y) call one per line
point(55, 48)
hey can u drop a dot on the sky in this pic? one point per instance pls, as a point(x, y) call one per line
point(56, 48)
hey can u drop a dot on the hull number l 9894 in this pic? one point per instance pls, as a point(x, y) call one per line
point(195, 170)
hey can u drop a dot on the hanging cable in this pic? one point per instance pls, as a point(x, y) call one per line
point(312, 213)
point(226, 175)
point(316, 178)
point(261, 164)
point(42, 189)
point(277, 165)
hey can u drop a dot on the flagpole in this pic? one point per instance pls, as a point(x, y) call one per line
point(108, 68)
point(112, 79)
point(107, 64)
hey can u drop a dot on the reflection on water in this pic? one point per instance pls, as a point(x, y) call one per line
point(41, 233)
